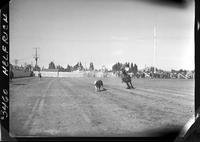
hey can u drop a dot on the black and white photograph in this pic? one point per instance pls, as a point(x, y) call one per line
point(100, 68)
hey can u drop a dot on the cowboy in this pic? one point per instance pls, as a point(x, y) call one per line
point(126, 77)
point(39, 75)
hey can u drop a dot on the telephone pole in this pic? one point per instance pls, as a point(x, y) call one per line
point(36, 57)
point(155, 46)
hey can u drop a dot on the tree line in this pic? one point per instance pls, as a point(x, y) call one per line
point(133, 68)
point(70, 68)
point(118, 66)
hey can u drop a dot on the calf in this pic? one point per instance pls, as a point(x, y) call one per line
point(98, 85)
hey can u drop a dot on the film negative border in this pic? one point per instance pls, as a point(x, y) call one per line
point(4, 14)
point(4, 43)
point(197, 57)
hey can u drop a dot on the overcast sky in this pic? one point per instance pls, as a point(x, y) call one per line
point(103, 32)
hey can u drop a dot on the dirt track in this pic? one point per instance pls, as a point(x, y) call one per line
point(71, 107)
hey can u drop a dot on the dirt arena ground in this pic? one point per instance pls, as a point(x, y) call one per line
point(72, 107)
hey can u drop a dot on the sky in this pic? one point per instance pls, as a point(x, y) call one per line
point(103, 32)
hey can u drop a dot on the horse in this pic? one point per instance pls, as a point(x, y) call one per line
point(127, 79)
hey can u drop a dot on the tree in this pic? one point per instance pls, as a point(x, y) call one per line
point(114, 68)
point(117, 67)
point(78, 66)
point(60, 68)
point(36, 68)
point(152, 69)
point(28, 67)
point(135, 69)
point(181, 71)
point(132, 68)
point(69, 68)
point(173, 71)
point(91, 66)
point(81, 66)
point(52, 65)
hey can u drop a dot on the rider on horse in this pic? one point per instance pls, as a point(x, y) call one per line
point(126, 78)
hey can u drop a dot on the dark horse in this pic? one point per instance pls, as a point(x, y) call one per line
point(127, 79)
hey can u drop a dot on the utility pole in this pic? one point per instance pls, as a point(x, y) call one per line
point(155, 45)
point(36, 57)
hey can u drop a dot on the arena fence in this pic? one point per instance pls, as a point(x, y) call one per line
point(21, 73)
point(74, 74)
